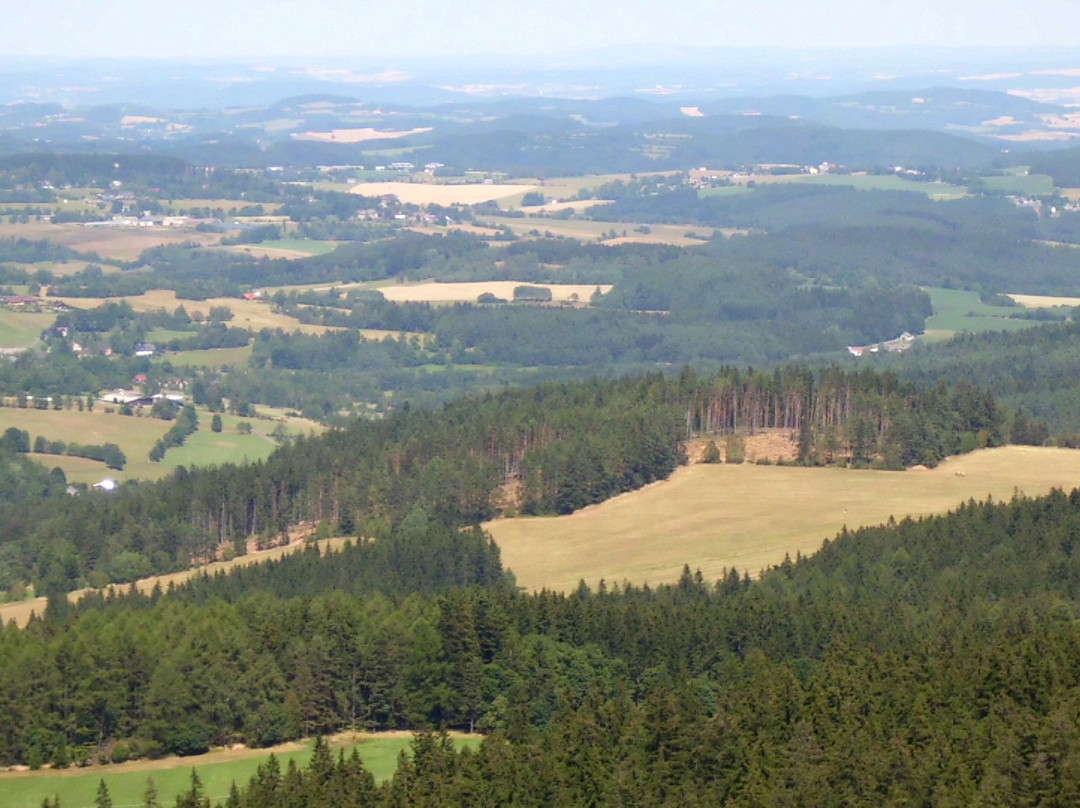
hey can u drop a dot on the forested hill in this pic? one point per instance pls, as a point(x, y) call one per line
point(928, 662)
point(1031, 371)
point(548, 449)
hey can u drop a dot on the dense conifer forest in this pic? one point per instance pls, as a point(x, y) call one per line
point(929, 661)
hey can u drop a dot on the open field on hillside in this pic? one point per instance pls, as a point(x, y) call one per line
point(134, 435)
point(20, 329)
point(1026, 184)
point(215, 358)
point(425, 193)
point(863, 182)
point(286, 248)
point(747, 517)
point(1044, 301)
point(435, 292)
point(359, 135)
point(20, 611)
point(207, 448)
point(585, 230)
point(251, 314)
point(956, 310)
point(77, 788)
point(117, 243)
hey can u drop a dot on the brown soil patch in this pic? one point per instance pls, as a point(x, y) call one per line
point(768, 444)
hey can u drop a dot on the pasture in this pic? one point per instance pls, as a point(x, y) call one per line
point(435, 292)
point(748, 517)
point(134, 435)
point(957, 310)
point(286, 248)
point(218, 770)
point(214, 358)
point(207, 448)
point(21, 329)
point(1020, 183)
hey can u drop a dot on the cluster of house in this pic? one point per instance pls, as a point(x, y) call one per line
point(142, 349)
point(898, 345)
point(29, 302)
point(1041, 208)
point(389, 209)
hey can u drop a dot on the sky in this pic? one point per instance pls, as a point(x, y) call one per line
point(230, 29)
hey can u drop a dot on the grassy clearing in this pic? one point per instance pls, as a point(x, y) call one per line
point(77, 788)
point(748, 516)
point(956, 310)
point(19, 329)
point(214, 358)
point(206, 448)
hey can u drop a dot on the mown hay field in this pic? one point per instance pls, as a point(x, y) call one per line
point(116, 243)
point(748, 517)
point(251, 314)
point(425, 193)
point(218, 769)
point(435, 292)
point(1044, 301)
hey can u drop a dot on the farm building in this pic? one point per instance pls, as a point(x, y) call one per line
point(133, 398)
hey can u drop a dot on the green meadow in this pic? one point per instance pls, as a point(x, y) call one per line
point(127, 782)
point(958, 310)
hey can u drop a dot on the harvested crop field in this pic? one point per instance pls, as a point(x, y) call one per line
point(1044, 301)
point(714, 517)
point(468, 292)
point(359, 135)
point(425, 193)
point(250, 314)
point(117, 243)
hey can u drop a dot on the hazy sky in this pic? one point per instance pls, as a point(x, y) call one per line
point(243, 28)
